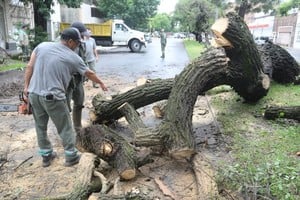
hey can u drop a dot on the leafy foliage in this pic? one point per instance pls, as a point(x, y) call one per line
point(256, 6)
point(159, 21)
point(42, 10)
point(134, 12)
point(287, 6)
point(194, 16)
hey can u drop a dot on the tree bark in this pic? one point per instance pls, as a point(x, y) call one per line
point(109, 146)
point(291, 112)
point(152, 91)
point(278, 63)
point(201, 75)
point(245, 73)
point(143, 136)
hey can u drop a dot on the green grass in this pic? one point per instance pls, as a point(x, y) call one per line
point(264, 164)
point(12, 65)
point(193, 48)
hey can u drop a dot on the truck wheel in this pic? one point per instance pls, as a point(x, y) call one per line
point(135, 46)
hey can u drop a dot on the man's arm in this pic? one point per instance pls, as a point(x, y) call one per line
point(28, 72)
point(93, 77)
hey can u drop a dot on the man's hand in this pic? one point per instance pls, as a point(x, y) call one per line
point(103, 87)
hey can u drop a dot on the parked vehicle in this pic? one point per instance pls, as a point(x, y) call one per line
point(179, 35)
point(148, 37)
point(261, 40)
point(115, 33)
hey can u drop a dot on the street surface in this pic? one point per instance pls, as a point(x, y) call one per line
point(147, 63)
point(295, 53)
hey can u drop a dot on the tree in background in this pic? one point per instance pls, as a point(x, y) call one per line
point(42, 10)
point(245, 6)
point(195, 16)
point(159, 21)
point(286, 6)
point(135, 13)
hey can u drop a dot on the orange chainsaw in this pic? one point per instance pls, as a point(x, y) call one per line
point(23, 108)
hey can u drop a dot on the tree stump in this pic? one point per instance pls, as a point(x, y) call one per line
point(109, 146)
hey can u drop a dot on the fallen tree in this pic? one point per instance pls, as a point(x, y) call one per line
point(233, 61)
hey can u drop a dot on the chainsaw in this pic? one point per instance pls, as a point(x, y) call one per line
point(23, 108)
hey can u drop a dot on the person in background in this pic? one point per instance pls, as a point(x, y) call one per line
point(24, 40)
point(91, 54)
point(47, 77)
point(163, 42)
point(75, 90)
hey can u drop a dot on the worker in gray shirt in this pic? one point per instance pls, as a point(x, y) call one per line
point(47, 77)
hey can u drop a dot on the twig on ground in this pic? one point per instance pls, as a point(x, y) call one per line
point(23, 162)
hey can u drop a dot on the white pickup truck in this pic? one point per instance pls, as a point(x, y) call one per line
point(115, 33)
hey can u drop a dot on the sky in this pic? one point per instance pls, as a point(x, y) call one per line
point(167, 6)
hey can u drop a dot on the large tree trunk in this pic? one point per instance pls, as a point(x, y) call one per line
point(201, 75)
point(278, 63)
point(246, 69)
point(152, 91)
point(238, 64)
point(243, 72)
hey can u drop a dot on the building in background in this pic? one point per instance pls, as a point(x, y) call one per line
point(13, 14)
point(87, 13)
point(260, 25)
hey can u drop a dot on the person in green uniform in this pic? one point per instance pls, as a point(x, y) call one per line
point(163, 42)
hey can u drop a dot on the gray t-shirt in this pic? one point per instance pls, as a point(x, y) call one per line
point(53, 68)
point(90, 45)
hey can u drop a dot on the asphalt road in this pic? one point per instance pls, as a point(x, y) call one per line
point(147, 63)
point(295, 53)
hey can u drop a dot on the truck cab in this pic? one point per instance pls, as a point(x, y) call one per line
point(115, 33)
point(123, 35)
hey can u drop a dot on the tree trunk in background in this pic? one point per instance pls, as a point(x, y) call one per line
point(288, 112)
point(278, 63)
point(243, 8)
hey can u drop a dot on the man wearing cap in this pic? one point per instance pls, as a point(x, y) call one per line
point(47, 77)
point(75, 89)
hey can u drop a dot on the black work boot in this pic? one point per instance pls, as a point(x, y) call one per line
point(48, 159)
point(71, 160)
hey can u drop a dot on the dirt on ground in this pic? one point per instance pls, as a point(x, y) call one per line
point(23, 177)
